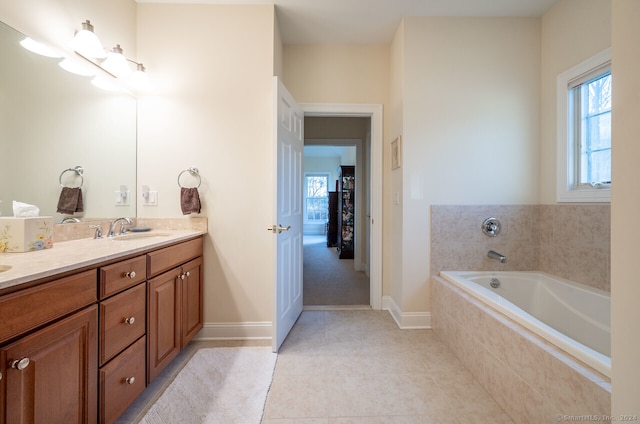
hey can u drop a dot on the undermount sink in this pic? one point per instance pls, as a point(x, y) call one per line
point(136, 236)
point(5, 268)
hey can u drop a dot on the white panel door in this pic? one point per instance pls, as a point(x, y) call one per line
point(289, 140)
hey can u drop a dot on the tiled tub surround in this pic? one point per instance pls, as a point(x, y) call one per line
point(569, 241)
point(532, 380)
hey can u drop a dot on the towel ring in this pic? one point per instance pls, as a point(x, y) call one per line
point(78, 170)
point(193, 171)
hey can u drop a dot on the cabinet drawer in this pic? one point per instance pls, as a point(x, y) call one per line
point(172, 256)
point(122, 320)
point(119, 276)
point(121, 381)
point(30, 308)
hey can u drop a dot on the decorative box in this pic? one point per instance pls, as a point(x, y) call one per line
point(26, 234)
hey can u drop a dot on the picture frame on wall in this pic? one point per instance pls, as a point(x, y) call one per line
point(396, 152)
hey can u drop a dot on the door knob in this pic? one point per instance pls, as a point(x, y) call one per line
point(277, 229)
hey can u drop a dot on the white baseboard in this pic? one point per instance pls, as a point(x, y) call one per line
point(235, 331)
point(263, 330)
point(406, 320)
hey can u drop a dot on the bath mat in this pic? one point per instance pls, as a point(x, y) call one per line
point(218, 385)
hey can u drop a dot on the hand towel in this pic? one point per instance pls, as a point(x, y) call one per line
point(189, 200)
point(70, 200)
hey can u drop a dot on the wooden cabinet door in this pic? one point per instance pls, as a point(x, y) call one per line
point(191, 281)
point(54, 379)
point(163, 322)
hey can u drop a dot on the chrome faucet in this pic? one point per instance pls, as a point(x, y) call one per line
point(497, 256)
point(112, 226)
point(98, 233)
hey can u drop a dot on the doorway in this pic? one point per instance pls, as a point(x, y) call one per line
point(336, 192)
point(368, 251)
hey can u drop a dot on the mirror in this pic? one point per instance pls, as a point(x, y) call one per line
point(51, 121)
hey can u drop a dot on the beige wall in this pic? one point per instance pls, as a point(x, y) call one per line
point(572, 31)
point(212, 109)
point(470, 127)
point(625, 204)
point(392, 231)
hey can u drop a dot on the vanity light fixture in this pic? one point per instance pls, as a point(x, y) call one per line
point(39, 48)
point(86, 42)
point(116, 64)
point(139, 79)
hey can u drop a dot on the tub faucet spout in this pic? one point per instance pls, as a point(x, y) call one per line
point(497, 256)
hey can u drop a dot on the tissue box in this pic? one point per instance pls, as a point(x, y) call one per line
point(26, 234)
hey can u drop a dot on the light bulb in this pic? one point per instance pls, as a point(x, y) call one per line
point(140, 79)
point(116, 64)
point(86, 43)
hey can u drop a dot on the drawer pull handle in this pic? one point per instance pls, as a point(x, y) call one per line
point(20, 364)
point(130, 380)
point(129, 320)
point(130, 274)
point(185, 275)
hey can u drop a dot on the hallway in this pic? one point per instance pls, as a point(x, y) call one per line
point(329, 281)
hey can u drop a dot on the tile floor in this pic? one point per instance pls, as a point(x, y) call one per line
point(356, 366)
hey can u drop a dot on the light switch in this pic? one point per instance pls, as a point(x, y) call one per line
point(122, 198)
point(151, 199)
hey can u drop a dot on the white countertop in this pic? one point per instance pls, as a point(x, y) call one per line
point(76, 254)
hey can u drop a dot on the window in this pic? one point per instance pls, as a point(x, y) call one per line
point(316, 197)
point(584, 131)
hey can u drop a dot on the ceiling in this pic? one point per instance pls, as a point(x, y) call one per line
point(328, 151)
point(371, 21)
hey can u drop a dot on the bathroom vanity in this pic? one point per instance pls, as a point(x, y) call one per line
point(82, 336)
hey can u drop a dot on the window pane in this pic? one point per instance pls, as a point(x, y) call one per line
point(599, 95)
point(317, 203)
point(599, 128)
point(318, 209)
point(317, 186)
point(595, 132)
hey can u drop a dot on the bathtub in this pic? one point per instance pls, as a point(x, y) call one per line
point(571, 316)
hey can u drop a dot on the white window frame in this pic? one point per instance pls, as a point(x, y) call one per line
point(566, 168)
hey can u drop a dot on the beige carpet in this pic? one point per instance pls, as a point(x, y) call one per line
point(218, 385)
point(329, 281)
